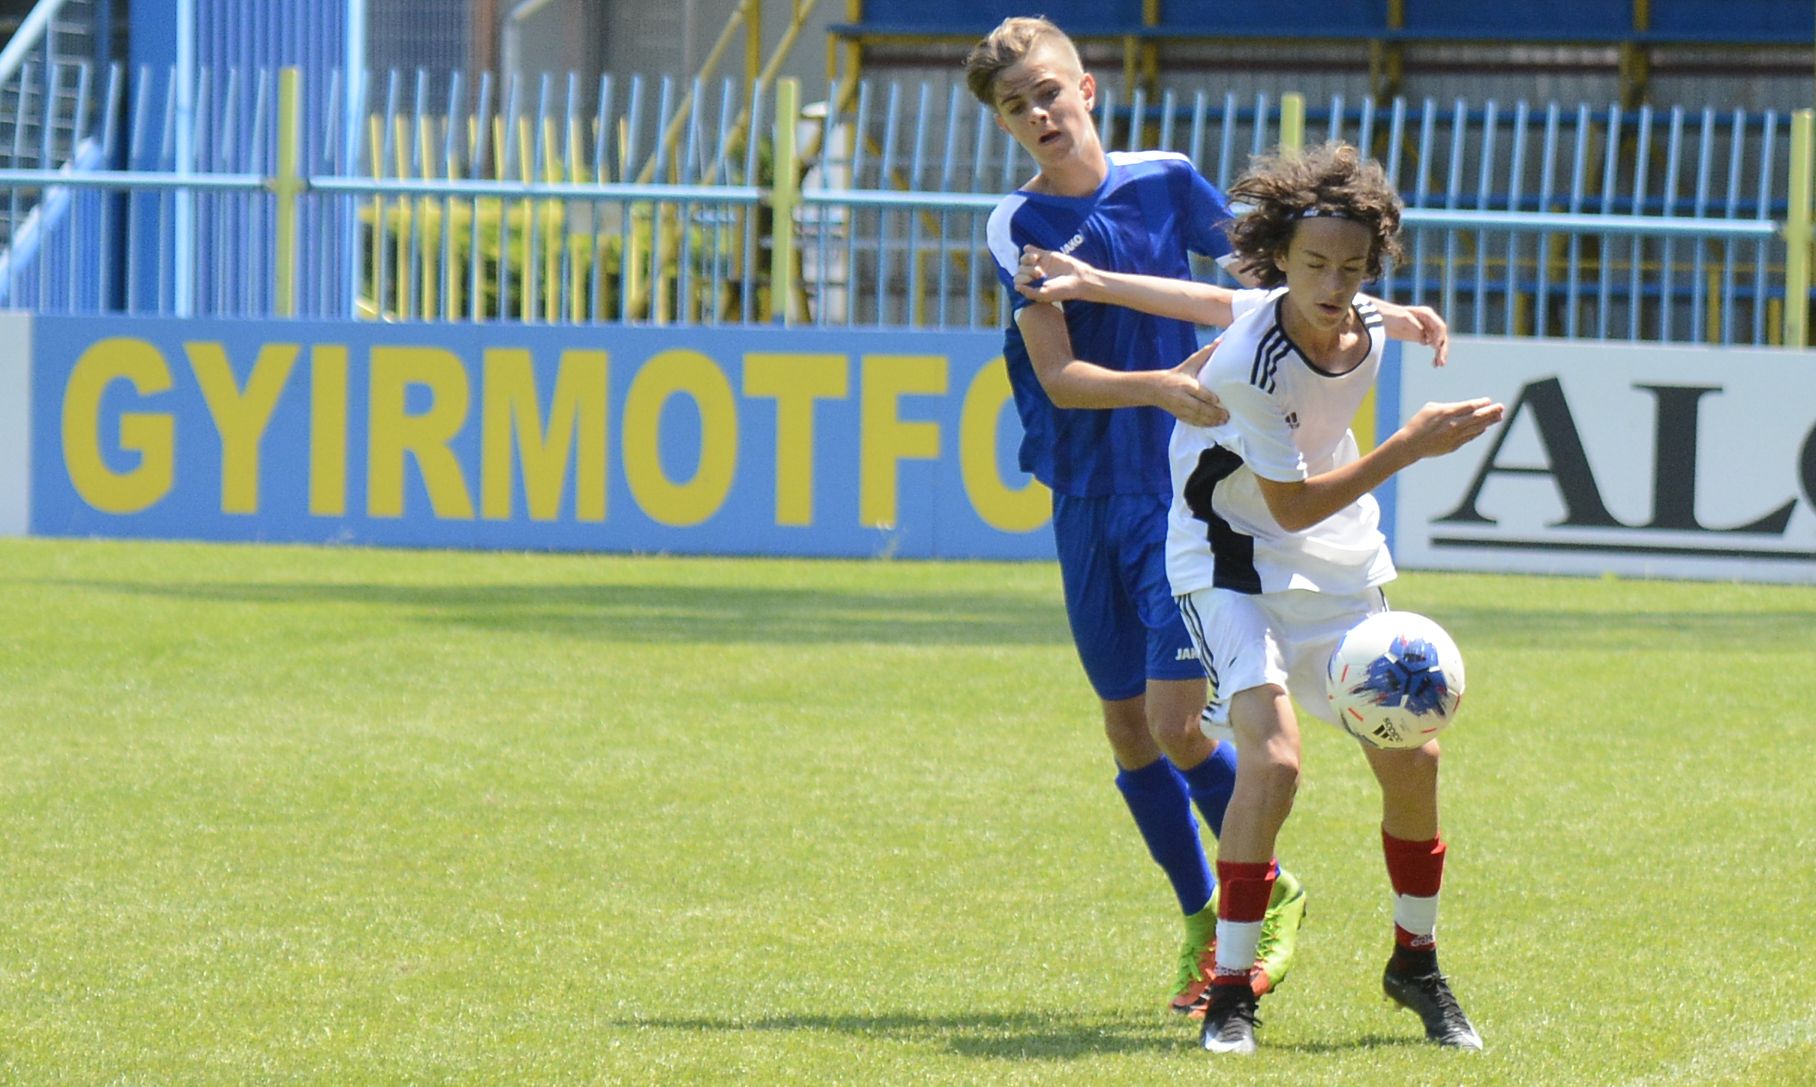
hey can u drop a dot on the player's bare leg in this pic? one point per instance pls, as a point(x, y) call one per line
point(1172, 710)
point(1175, 710)
point(1267, 777)
point(1409, 790)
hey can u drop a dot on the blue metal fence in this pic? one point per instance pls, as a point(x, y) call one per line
point(46, 74)
point(648, 200)
point(1554, 220)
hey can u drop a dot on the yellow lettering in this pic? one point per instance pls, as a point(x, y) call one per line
point(795, 381)
point(884, 439)
point(328, 430)
point(241, 415)
point(152, 435)
point(576, 418)
point(394, 432)
point(1007, 509)
point(689, 373)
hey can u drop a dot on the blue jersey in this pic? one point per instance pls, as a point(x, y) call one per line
point(1151, 210)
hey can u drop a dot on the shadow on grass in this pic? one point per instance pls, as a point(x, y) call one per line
point(644, 614)
point(727, 614)
point(1013, 1036)
point(1367, 1041)
point(1008, 1035)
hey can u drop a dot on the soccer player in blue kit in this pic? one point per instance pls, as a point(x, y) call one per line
point(1098, 393)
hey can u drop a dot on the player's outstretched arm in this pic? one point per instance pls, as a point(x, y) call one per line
point(1048, 276)
point(1434, 430)
point(1416, 324)
point(1072, 382)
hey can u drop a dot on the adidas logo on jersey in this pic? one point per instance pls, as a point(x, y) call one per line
point(1292, 419)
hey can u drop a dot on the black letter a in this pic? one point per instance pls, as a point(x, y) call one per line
point(1569, 465)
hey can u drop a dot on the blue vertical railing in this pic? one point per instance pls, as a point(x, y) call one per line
point(462, 199)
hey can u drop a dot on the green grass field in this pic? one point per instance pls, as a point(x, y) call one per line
point(278, 815)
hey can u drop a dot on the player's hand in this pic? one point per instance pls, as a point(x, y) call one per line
point(1047, 276)
point(1184, 398)
point(1417, 323)
point(1432, 332)
point(1437, 429)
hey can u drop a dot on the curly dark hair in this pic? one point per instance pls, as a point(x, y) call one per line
point(1330, 179)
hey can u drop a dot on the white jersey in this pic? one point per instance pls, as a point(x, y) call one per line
point(1289, 421)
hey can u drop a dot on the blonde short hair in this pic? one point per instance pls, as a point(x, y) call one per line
point(1008, 45)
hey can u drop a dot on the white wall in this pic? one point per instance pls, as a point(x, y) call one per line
point(1633, 459)
point(15, 422)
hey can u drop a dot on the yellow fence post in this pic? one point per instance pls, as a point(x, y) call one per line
point(288, 185)
point(1797, 233)
point(1292, 122)
point(785, 196)
point(375, 142)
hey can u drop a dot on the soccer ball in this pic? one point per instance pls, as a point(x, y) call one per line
point(1395, 680)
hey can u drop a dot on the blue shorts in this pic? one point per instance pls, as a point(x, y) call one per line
point(1125, 623)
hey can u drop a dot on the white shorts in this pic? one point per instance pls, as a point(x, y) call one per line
point(1285, 639)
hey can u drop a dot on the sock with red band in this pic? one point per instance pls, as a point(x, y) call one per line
point(1241, 905)
point(1416, 870)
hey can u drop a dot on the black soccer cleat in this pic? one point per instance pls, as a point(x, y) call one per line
point(1229, 1020)
point(1430, 997)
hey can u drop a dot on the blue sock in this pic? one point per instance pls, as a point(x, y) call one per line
point(1163, 812)
point(1211, 782)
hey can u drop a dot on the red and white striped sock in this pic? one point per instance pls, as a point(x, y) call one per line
point(1416, 870)
point(1241, 905)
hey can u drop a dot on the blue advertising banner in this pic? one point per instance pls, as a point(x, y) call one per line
point(681, 440)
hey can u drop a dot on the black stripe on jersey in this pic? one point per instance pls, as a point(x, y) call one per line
point(1260, 349)
point(1232, 553)
point(1273, 363)
point(1268, 352)
point(1194, 625)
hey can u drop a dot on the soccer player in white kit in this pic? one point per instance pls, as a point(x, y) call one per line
point(1274, 550)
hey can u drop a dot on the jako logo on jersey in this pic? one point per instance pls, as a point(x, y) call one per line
point(1187, 654)
point(1292, 419)
point(1077, 240)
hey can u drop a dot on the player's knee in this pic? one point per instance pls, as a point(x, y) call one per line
point(1278, 772)
point(1178, 732)
point(1423, 766)
point(1126, 728)
point(1411, 773)
point(1173, 709)
point(1422, 762)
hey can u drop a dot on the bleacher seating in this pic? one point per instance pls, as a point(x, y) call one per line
point(1530, 21)
point(973, 18)
point(1601, 22)
point(1731, 22)
point(1278, 19)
